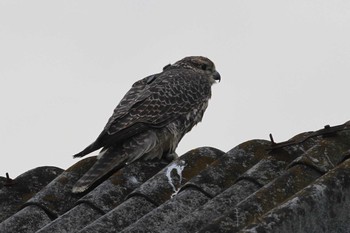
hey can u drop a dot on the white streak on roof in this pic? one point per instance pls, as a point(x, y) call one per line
point(178, 166)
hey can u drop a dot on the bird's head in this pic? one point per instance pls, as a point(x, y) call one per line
point(201, 65)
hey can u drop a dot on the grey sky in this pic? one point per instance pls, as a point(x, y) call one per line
point(64, 66)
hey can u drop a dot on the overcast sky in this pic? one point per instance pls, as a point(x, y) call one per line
point(65, 65)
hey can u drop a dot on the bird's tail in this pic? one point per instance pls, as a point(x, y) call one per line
point(110, 160)
point(114, 158)
point(92, 147)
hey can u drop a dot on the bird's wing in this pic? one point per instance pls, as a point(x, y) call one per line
point(153, 102)
point(172, 95)
point(129, 99)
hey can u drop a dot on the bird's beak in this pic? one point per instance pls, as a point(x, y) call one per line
point(216, 76)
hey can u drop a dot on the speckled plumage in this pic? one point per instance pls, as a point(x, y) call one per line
point(152, 117)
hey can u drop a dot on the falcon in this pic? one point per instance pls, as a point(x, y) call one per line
point(152, 118)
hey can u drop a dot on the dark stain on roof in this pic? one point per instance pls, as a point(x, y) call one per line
point(302, 185)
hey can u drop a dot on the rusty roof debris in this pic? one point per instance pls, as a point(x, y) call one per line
point(301, 185)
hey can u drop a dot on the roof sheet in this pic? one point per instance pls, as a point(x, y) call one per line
point(301, 185)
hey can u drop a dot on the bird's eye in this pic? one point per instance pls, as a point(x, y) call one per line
point(204, 67)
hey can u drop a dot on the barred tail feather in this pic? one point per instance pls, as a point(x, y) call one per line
point(109, 161)
point(116, 157)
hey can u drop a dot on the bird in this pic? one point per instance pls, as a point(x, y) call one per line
point(152, 118)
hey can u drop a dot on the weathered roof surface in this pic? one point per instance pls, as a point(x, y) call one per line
point(302, 185)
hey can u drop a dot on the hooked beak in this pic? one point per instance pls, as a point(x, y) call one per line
point(216, 76)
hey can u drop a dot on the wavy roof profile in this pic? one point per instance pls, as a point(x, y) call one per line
point(302, 185)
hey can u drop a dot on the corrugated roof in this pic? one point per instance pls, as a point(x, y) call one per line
point(302, 185)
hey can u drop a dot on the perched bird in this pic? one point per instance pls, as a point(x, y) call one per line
point(152, 117)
